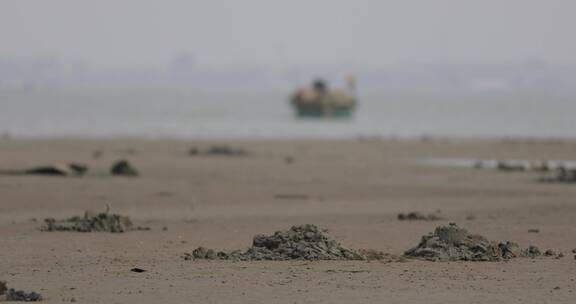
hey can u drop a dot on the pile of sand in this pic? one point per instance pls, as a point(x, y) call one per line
point(92, 222)
point(305, 242)
point(452, 243)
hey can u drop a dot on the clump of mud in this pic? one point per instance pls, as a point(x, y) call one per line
point(92, 222)
point(123, 168)
point(18, 295)
point(22, 296)
point(417, 216)
point(305, 242)
point(64, 169)
point(561, 175)
point(3, 288)
point(452, 243)
point(222, 150)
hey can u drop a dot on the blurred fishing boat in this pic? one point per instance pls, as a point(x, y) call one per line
point(319, 100)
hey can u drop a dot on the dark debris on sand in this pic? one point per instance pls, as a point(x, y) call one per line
point(69, 169)
point(222, 150)
point(123, 168)
point(417, 216)
point(452, 243)
point(18, 295)
point(64, 169)
point(92, 222)
point(304, 242)
point(561, 175)
point(3, 288)
point(22, 296)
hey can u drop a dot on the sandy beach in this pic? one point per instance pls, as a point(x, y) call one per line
point(354, 188)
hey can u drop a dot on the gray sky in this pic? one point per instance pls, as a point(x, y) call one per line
point(281, 32)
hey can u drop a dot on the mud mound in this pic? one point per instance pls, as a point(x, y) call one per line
point(452, 243)
point(511, 165)
point(417, 216)
point(22, 296)
point(92, 222)
point(222, 150)
point(66, 169)
point(18, 295)
point(561, 175)
point(305, 242)
point(123, 168)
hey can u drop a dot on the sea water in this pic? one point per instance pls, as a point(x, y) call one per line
point(248, 115)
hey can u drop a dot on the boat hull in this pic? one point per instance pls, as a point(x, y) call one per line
point(320, 112)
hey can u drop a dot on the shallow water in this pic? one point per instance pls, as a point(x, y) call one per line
point(268, 115)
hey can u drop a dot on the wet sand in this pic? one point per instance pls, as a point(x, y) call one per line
point(355, 189)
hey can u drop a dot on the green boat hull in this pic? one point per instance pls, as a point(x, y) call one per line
point(319, 112)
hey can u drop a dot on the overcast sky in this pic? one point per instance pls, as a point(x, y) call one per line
point(283, 32)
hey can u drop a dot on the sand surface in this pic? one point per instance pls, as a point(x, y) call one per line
point(353, 188)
